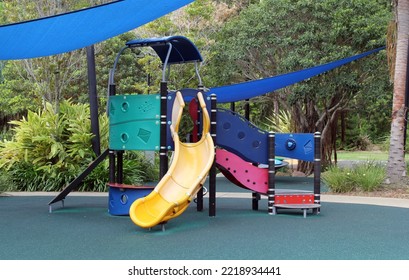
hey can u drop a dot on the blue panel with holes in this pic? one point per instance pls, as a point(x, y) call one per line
point(239, 136)
point(295, 145)
point(121, 199)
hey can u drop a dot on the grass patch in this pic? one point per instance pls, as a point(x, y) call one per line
point(363, 155)
point(367, 177)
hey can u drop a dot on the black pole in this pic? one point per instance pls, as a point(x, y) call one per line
point(317, 170)
point(112, 154)
point(163, 152)
point(247, 109)
point(93, 99)
point(195, 138)
point(271, 174)
point(212, 173)
point(120, 167)
point(112, 158)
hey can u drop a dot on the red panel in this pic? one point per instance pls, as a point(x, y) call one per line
point(242, 172)
point(193, 108)
point(294, 199)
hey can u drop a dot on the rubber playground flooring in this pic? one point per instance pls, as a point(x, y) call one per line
point(84, 230)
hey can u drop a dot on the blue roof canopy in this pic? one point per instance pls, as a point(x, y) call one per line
point(182, 49)
point(78, 29)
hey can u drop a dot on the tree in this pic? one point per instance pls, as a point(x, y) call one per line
point(281, 36)
point(30, 83)
point(396, 161)
point(199, 22)
point(47, 77)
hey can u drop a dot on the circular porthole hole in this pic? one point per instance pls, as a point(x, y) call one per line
point(124, 137)
point(256, 144)
point(124, 199)
point(226, 126)
point(241, 135)
point(125, 106)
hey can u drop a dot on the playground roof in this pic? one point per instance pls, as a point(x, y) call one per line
point(78, 29)
point(182, 49)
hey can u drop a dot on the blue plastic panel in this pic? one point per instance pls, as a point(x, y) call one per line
point(239, 136)
point(295, 145)
point(120, 200)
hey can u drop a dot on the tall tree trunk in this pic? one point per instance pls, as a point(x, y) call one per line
point(396, 162)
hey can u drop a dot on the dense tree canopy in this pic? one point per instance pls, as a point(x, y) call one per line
point(278, 36)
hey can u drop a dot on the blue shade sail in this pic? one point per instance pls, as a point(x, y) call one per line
point(247, 90)
point(78, 29)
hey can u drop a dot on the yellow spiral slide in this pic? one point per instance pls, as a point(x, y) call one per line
point(190, 165)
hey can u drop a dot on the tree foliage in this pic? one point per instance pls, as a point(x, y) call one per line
point(274, 37)
point(54, 78)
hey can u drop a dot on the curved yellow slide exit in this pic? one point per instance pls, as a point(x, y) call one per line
point(190, 165)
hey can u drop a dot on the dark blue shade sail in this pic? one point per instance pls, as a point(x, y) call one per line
point(78, 29)
point(182, 49)
point(247, 90)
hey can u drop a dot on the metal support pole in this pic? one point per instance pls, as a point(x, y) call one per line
point(255, 197)
point(163, 151)
point(195, 138)
point(271, 173)
point(317, 170)
point(120, 167)
point(112, 168)
point(93, 100)
point(212, 173)
point(247, 109)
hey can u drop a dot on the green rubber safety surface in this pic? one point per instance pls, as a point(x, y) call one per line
point(83, 229)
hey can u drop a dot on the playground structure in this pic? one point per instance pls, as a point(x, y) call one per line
point(82, 28)
point(151, 122)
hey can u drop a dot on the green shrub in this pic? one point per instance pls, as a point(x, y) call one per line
point(338, 179)
point(385, 143)
point(47, 151)
point(6, 184)
point(280, 122)
point(367, 177)
point(28, 177)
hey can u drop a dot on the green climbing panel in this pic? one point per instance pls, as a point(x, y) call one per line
point(134, 122)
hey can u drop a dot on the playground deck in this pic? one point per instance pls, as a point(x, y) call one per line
point(83, 229)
